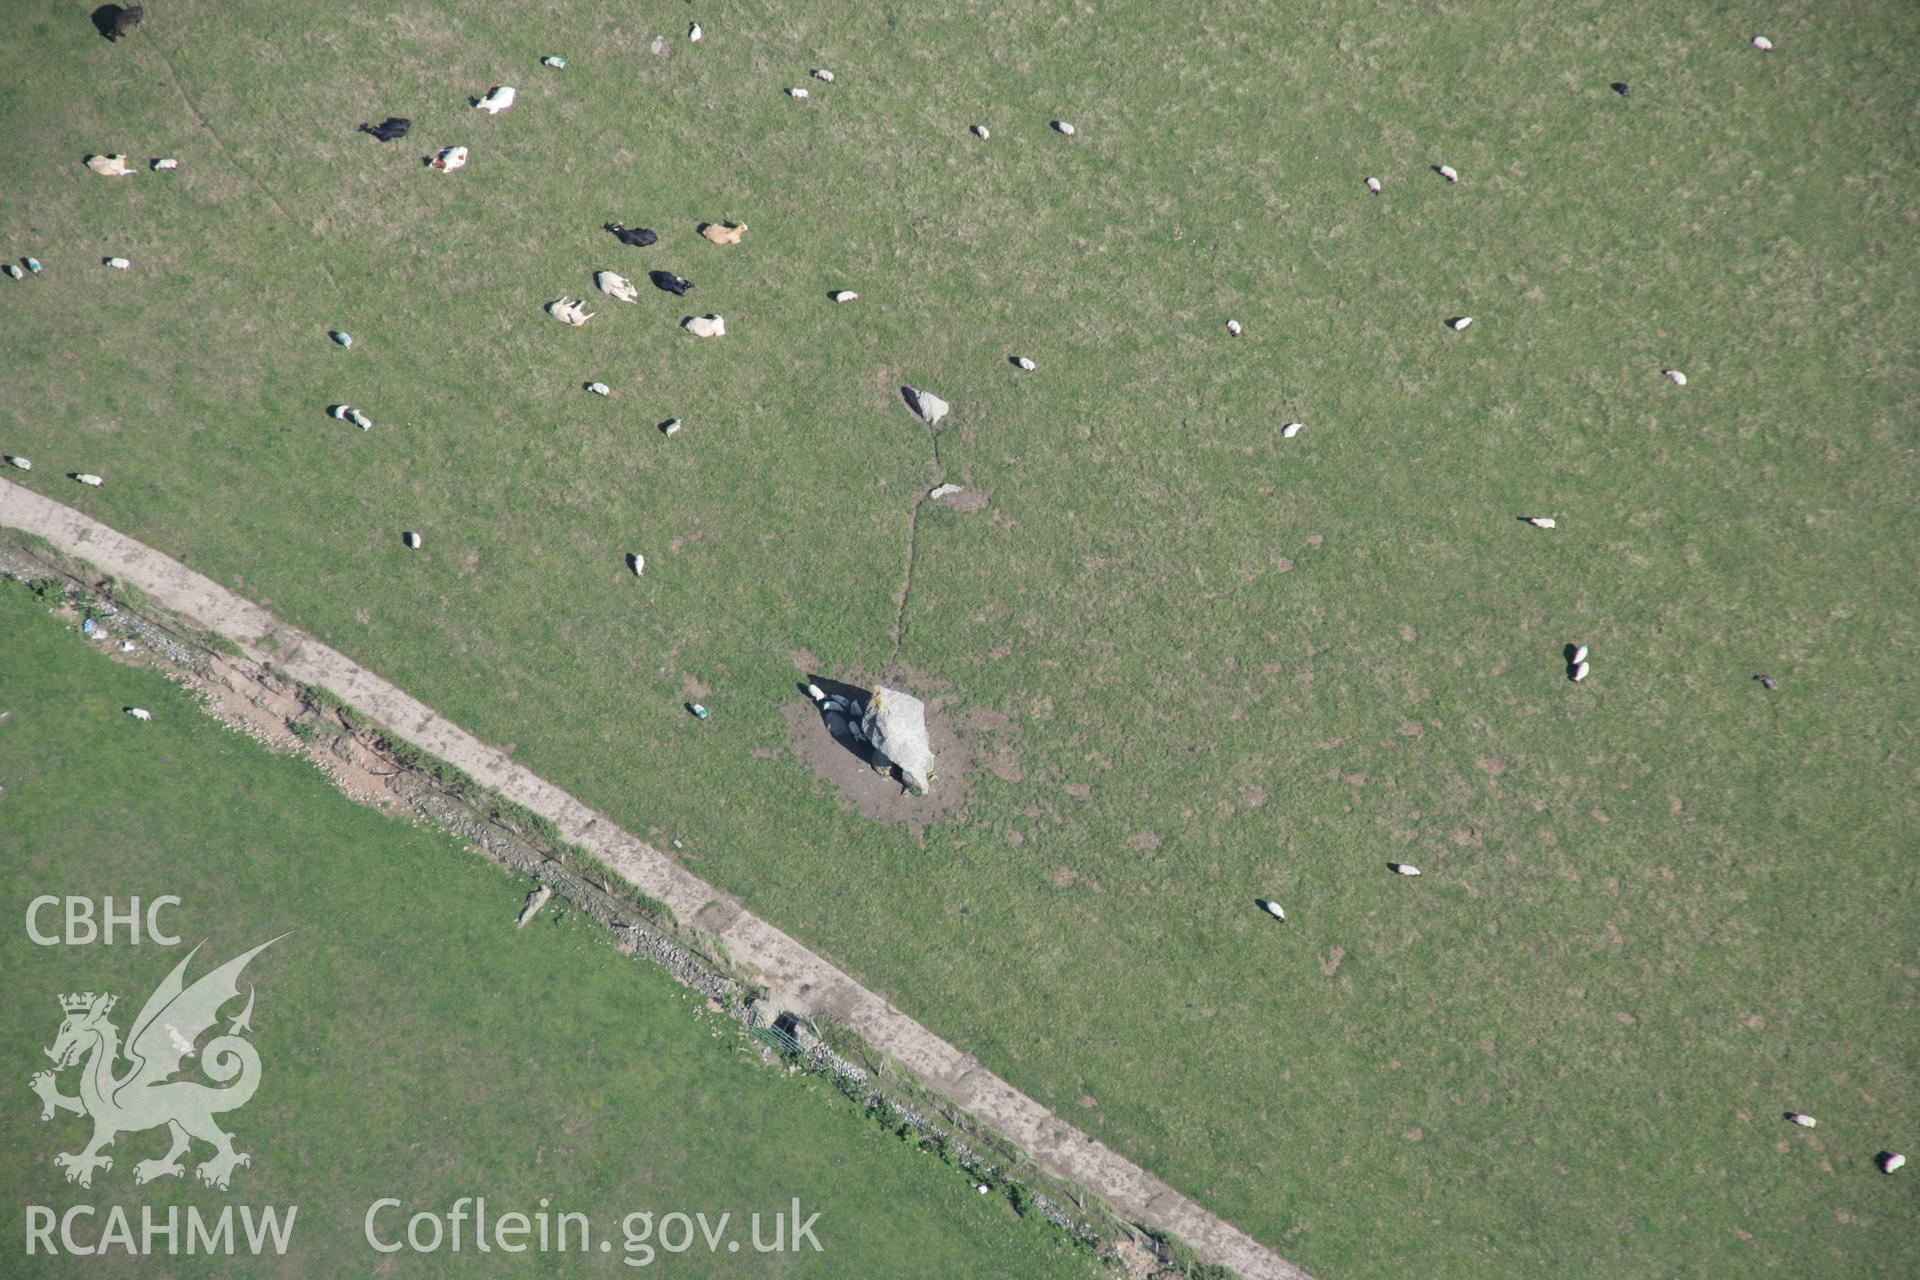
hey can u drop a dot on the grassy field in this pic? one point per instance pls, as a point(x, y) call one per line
point(412, 1044)
point(1198, 663)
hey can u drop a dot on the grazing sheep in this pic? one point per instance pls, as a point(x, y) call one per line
point(393, 127)
point(1459, 322)
point(940, 491)
point(498, 99)
point(15, 272)
point(1804, 1121)
point(1578, 673)
point(570, 311)
point(615, 285)
point(33, 265)
point(929, 406)
point(553, 60)
point(118, 264)
point(25, 464)
point(724, 232)
point(670, 426)
point(110, 166)
point(600, 388)
point(1540, 522)
point(1373, 185)
point(1763, 44)
point(1404, 869)
point(129, 18)
point(1023, 363)
point(637, 563)
point(449, 159)
point(344, 339)
point(1448, 172)
point(821, 74)
point(1065, 128)
point(165, 163)
point(1272, 908)
point(1291, 430)
point(1233, 327)
point(89, 479)
point(673, 284)
point(412, 539)
point(845, 295)
point(360, 419)
point(709, 326)
point(797, 93)
point(1890, 1161)
point(980, 132)
point(695, 34)
point(815, 692)
point(1768, 683)
point(139, 713)
point(638, 237)
point(1579, 655)
point(1674, 376)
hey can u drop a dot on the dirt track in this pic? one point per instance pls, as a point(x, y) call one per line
point(799, 978)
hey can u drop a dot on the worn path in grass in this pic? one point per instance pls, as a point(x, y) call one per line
point(801, 978)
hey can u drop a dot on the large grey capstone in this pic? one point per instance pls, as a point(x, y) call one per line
point(929, 406)
point(896, 726)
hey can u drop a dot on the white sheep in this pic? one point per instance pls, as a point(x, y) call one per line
point(360, 419)
point(1291, 430)
point(110, 166)
point(1804, 1121)
point(140, 713)
point(797, 93)
point(15, 272)
point(940, 491)
point(637, 563)
point(695, 34)
point(815, 692)
point(1578, 673)
point(1763, 44)
point(1541, 522)
point(845, 295)
point(1674, 376)
point(1272, 908)
point(709, 326)
point(165, 163)
point(980, 132)
point(1065, 128)
point(1459, 322)
point(89, 479)
point(1024, 363)
point(119, 264)
point(670, 426)
point(821, 74)
point(1891, 1161)
point(498, 99)
point(1448, 172)
point(412, 539)
point(449, 159)
point(1404, 869)
point(570, 311)
point(615, 285)
point(1579, 655)
point(1233, 327)
point(25, 464)
point(1373, 185)
point(600, 388)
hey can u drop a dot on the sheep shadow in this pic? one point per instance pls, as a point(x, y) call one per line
point(106, 20)
point(835, 712)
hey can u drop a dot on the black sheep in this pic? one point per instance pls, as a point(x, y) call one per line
point(390, 128)
point(639, 238)
point(672, 283)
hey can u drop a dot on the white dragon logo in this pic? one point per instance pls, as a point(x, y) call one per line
point(145, 1097)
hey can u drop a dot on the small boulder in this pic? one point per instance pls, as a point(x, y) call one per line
point(896, 724)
